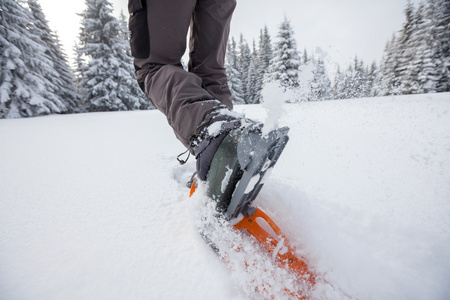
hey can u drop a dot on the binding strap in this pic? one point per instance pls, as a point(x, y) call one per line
point(181, 161)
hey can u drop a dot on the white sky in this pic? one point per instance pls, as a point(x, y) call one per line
point(342, 29)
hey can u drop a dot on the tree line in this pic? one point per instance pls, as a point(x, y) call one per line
point(37, 79)
point(416, 60)
point(249, 70)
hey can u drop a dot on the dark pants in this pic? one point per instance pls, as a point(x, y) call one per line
point(158, 41)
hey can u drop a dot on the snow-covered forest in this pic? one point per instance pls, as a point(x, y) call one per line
point(37, 78)
point(416, 60)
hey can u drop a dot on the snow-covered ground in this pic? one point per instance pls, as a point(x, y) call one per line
point(93, 206)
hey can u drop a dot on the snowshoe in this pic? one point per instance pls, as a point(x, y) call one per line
point(242, 157)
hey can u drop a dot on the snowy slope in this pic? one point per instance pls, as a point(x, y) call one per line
point(92, 205)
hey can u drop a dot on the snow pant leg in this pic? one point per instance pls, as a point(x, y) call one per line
point(168, 24)
point(180, 96)
point(210, 29)
point(183, 96)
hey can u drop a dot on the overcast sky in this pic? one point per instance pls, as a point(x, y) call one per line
point(339, 28)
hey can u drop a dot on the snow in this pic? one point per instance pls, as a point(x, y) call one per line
point(271, 102)
point(93, 206)
point(252, 183)
point(225, 180)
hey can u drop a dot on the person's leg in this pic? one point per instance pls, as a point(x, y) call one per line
point(180, 95)
point(210, 29)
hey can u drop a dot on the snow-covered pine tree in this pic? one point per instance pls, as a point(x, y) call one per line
point(371, 80)
point(107, 79)
point(353, 82)
point(67, 75)
point(265, 52)
point(428, 76)
point(403, 83)
point(79, 67)
point(244, 61)
point(414, 52)
point(284, 67)
point(444, 25)
point(348, 88)
point(440, 25)
point(320, 85)
point(259, 64)
point(338, 85)
point(305, 57)
point(254, 84)
point(63, 79)
point(386, 76)
point(360, 78)
point(123, 25)
point(233, 74)
point(25, 90)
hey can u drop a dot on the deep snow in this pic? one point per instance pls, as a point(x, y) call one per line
point(93, 206)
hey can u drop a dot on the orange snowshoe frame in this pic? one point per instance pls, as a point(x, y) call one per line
point(269, 235)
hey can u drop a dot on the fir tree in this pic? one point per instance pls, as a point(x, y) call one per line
point(254, 84)
point(444, 34)
point(284, 67)
point(360, 78)
point(260, 64)
point(265, 53)
point(80, 66)
point(348, 87)
point(428, 76)
point(410, 82)
point(440, 30)
point(233, 74)
point(107, 76)
point(25, 90)
point(386, 79)
point(403, 85)
point(305, 57)
point(62, 78)
point(320, 85)
point(244, 62)
point(338, 87)
point(123, 25)
point(371, 80)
